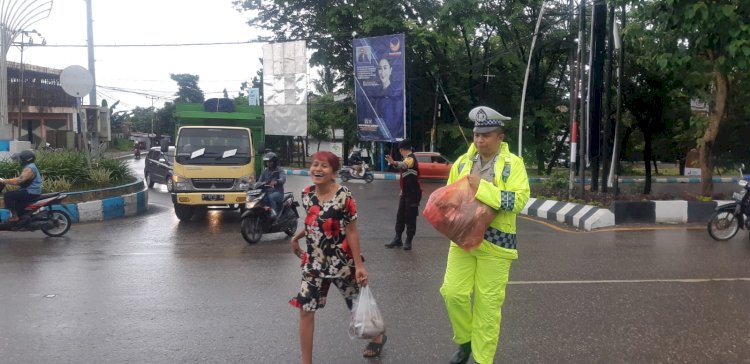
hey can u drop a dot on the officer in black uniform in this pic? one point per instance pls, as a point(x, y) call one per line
point(411, 194)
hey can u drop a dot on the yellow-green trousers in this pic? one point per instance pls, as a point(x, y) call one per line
point(484, 272)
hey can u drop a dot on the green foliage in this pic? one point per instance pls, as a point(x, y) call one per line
point(557, 180)
point(59, 184)
point(68, 171)
point(188, 90)
point(69, 164)
point(99, 176)
point(9, 168)
point(118, 168)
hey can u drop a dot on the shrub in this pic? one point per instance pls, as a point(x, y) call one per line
point(69, 164)
point(99, 176)
point(59, 184)
point(557, 180)
point(117, 167)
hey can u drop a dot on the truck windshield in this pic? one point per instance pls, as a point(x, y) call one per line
point(202, 146)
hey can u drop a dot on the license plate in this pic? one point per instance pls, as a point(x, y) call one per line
point(212, 197)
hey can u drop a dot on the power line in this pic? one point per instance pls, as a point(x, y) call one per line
point(153, 45)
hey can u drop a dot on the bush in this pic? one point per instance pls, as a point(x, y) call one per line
point(99, 176)
point(59, 184)
point(69, 171)
point(558, 180)
point(69, 164)
point(118, 169)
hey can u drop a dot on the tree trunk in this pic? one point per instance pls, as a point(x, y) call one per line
point(647, 160)
point(706, 143)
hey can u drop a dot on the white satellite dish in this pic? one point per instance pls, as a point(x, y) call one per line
point(76, 81)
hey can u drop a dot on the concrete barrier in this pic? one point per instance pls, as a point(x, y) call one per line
point(107, 208)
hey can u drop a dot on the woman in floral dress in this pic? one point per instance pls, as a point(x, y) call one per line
point(332, 253)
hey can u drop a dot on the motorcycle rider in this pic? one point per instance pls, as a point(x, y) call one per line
point(275, 177)
point(30, 182)
point(357, 163)
point(136, 150)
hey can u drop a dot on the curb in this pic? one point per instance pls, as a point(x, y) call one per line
point(585, 217)
point(99, 210)
point(664, 212)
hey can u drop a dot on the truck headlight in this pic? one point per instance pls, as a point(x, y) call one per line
point(181, 183)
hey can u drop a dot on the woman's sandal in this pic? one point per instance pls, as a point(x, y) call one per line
point(374, 348)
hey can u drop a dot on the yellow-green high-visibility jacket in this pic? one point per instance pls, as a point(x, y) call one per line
point(508, 195)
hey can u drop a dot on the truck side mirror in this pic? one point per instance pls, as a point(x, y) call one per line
point(261, 148)
point(164, 144)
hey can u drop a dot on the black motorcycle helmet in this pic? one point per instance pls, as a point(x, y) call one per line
point(272, 158)
point(25, 157)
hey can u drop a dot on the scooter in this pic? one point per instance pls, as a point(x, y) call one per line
point(137, 153)
point(348, 173)
point(258, 218)
point(730, 218)
point(41, 214)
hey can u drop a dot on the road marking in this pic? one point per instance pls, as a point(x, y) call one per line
point(617, 281)
point(623, 228)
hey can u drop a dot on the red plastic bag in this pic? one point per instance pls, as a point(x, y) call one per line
point(455, 213)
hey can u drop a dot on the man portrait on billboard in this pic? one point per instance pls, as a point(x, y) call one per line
point(363, 56)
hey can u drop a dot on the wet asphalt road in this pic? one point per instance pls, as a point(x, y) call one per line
point(149, 289)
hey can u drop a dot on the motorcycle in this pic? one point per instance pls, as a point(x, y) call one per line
point(40, 214)
point(348, 173)
point(137, 153)
point(730, 218)
point(257, 218)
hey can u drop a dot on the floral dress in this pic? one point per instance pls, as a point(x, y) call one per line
point(328, 258)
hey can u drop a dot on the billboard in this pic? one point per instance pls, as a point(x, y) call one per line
point(379, 78)
point(285, 88)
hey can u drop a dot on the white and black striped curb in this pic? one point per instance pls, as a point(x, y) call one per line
point(584, 217)
point(664, 212)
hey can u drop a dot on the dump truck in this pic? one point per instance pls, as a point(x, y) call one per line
point(215, 160)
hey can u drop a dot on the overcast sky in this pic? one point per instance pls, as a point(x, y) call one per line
point(146, 69)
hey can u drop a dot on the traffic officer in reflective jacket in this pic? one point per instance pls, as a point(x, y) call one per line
point(500, 180)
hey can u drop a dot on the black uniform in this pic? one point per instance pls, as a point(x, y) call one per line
point(408, 205)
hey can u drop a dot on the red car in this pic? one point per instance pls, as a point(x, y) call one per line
point(433, 165)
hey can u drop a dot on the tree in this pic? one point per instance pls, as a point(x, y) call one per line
point(713, 49)
point(188, 90)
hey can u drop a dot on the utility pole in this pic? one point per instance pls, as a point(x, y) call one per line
point(94, 147)
point(434, 119)
point(526, 80)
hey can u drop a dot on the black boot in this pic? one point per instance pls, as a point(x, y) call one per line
point(462, 355)
point(395, 243)
point(407, 243)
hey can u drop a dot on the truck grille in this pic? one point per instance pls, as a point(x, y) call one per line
point(213, 183)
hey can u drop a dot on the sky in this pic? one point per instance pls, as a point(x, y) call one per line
point(144, 71)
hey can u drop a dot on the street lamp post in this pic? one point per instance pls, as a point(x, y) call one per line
point(21, 78)
point(15, 15)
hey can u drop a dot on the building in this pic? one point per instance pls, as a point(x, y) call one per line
point(47, 113)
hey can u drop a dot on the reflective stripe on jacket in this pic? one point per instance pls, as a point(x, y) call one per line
point(508, 195)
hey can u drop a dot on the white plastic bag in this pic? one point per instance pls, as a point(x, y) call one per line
point(366, 322)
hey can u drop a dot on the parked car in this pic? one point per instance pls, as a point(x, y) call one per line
point(433, 165)
point(158, 167)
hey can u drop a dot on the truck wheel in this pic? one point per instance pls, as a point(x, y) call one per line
point(184, 212)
